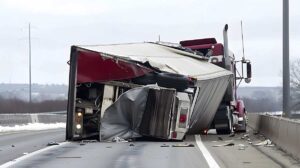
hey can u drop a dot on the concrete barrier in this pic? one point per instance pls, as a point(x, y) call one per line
point(19, 119)
point(254, 121)
point(285, 133)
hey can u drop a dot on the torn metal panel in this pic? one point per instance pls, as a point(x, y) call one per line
point(140, 111)
point(161, 57)
point(209, 97)
point(92, 67)
point(122, 119)
point(158, 113)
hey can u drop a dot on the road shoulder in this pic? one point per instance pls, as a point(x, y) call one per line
point(240, 151)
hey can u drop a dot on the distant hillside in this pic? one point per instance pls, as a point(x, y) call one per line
point(51, 92)
point(261, 99)
point(39, 92)
point(257, 99)
point(260, 92)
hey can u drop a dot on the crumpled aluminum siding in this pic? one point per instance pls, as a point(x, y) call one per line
point(140, 111)
point(164, 58)
point(208, 100)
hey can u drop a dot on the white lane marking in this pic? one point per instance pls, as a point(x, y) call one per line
point(15, 161)
point(210, 160)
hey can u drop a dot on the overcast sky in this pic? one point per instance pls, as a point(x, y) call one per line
point(58, 24)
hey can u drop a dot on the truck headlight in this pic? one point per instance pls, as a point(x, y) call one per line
point(78, 126)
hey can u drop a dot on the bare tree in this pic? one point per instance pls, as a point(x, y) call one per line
point(295, 84)
point(295, 74)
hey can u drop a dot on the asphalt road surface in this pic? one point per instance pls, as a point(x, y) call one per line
point(14, 145)
point(143, 154)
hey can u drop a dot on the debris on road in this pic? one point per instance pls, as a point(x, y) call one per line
point(242, 147)
point(12, 145)
point(131, 144)
point(83, 142)
point(183, 145)
point(230, 144)
point(109, 147)
point(89, 141)
point(164, 145)
point(232, 135)
point(246, 135)
point(118, 139)
point(225, 144)
point(266, 142)
point(52, 143)
point(220, 138)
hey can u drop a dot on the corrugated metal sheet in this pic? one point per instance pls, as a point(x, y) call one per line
point(163, 57)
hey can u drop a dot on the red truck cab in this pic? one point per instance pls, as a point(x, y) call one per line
point(231, 114)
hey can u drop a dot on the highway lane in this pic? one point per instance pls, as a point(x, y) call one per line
point(118, 155)
point(145, 154)
point(14, 145)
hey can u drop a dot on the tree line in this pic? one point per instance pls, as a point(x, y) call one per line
point(21, 106)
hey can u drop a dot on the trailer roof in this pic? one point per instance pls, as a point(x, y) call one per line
point(162, 57)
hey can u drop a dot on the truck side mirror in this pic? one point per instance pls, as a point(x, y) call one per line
point(249, 72)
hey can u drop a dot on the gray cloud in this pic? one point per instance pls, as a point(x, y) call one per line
point(100, 22)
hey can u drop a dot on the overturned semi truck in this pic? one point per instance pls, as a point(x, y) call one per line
point(141, 89)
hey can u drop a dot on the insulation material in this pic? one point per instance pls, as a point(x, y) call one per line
point(140, 111)
point(122, 119)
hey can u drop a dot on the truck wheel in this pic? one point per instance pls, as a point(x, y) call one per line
point(244, 126)
point(224, 120)
point(171, 80)
point(225, 130)
point(146, 79)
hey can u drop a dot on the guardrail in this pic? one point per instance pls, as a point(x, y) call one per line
point(285, 133)
point(19, 119)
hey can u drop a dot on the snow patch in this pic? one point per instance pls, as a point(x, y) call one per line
point(32, 127)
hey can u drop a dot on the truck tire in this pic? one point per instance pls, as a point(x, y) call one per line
point(146, 79)
point(225, 130)
point(223, 120)
point(172, 80)
point(164, 79)
point(243, 126)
